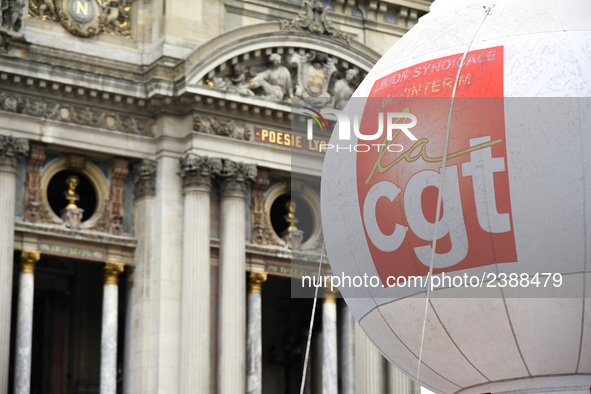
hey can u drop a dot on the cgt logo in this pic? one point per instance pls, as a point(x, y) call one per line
point(395, 123)
point(398, 191)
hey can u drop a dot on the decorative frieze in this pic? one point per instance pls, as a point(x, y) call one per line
point(197, 171)
point(225, 127)
point(11, 150)
point(81, 115)
point(32, 183)
point(144, 178)
point(292, 75)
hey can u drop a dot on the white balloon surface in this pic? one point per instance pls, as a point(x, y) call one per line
point(513, 234)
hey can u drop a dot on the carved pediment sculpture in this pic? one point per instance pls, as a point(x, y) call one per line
point(312, 18)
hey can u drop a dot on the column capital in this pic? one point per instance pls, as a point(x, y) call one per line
point(112, 271)
point(144, 178)
point(330, 295)
point(234, 176)
point(197, 171)
point(255, 282)
point(11, 150)
point(28, 260)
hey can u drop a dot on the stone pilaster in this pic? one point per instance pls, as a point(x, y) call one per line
point(24, 322)
point(137, 377)
point(196, 172)
point(258, 206)
point(232, 286)
point(109, 328)
point(32, 184)
point(254, 355)
point(11, 150)
point(369, 365)
point(119, 171)
point(329, 344)
point(348, 351)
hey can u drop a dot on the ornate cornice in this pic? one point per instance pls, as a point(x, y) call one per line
point(225, 127)
point(144, 178)
point(234, 176)
point(76, 114)
point(112, 271)
point(11, 150)
point(28, 260)
point(197, 171)
point(256, 280)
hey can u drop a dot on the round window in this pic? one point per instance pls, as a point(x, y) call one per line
point(63, 190)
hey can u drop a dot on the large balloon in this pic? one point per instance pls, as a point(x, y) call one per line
point(509, 160)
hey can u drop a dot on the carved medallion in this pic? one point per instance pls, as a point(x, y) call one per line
point(85, 18)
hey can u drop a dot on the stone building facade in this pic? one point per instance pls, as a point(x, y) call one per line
point(152, 218)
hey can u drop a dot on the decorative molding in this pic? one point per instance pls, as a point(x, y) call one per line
point(225, 127)
point(234, 176)
point(77, 114)
point(28, 260)
point(258, 206)
point(144, 178)
point(11, 151)
point(255, 281)
point(32, 183)
point(197, 171)
point(112, 271)
point(312, 18)
point(96, 17)
point(119, 171)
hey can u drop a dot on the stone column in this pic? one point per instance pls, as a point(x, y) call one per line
point(195, 314)
point(369, 365)
point(24, 322)
point(137, 378)
point(329, 344)
point(254, 356)
point(109, 328)
point(347, 351)
point(11, 149)
point(232, 285)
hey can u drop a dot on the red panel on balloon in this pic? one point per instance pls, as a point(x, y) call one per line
point(399, 178)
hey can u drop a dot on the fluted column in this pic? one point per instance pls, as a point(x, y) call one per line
point(137, 375)
point(11, 150)
point(254, 355)
point(329, 344)
point(399, 383)
point(24, 322)
point(347, 351)
point(369, 365)
point(195, 322)
point(109, 328)
point(232, 285)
